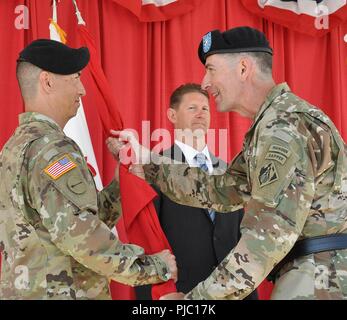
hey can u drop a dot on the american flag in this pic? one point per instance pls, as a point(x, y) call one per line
point(60, 167)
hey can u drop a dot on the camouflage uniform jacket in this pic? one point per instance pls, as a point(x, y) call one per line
point(55, 235)
point(291, 179)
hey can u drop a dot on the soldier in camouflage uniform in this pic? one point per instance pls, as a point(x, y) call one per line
point(55, 235)
point(290, 177)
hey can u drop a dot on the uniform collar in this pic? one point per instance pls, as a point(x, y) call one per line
point(28, 117)
point(273, 94)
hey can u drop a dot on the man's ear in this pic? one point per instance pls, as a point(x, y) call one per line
point(172, 115)
point(246, 67)
point(46, 81)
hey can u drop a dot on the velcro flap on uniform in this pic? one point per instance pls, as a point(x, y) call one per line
point(75, 185)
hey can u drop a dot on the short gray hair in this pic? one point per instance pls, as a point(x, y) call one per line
point(28, 78)
point(262, 59)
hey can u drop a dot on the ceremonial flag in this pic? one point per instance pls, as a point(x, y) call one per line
point(139, 218)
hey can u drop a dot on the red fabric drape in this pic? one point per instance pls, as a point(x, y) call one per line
point(139, 215)
point(144, 62)
point(107, 112)
point(141, 221)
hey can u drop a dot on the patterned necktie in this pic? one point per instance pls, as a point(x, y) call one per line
point(200, 159)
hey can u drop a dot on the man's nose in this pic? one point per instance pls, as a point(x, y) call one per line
point(200, 113)
point(205, 83)
point(82, 90)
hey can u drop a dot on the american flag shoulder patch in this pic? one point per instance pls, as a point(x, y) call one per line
point(59, 167)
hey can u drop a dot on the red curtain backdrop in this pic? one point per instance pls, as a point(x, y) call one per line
point(145, 61)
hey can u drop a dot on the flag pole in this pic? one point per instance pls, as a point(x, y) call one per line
point(54, 14)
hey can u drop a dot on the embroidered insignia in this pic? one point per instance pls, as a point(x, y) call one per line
point(267, 174)
point(280, 149)
point(206, 42)
point(59, 167)
point(276, 156)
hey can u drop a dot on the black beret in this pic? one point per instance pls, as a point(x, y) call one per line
point(240, 39)
point(54, 56)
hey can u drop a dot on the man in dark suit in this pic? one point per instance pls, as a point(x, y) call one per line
point(200, 239)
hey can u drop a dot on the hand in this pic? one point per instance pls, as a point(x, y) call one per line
point(114, 146)
point(128, 138)
point(173, 296)
point(137, 170)
point(170, 261)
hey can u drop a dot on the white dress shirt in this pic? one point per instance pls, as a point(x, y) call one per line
point(190, 153)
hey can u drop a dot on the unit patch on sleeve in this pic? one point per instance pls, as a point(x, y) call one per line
point(267, 174)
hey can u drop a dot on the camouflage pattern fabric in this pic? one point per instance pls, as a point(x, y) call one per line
point(55, 235)
point(291, 179)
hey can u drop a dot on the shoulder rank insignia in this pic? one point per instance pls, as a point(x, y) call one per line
point(267, 174)
point(59, 167)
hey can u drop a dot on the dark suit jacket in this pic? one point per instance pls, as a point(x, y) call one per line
point(198, 244)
